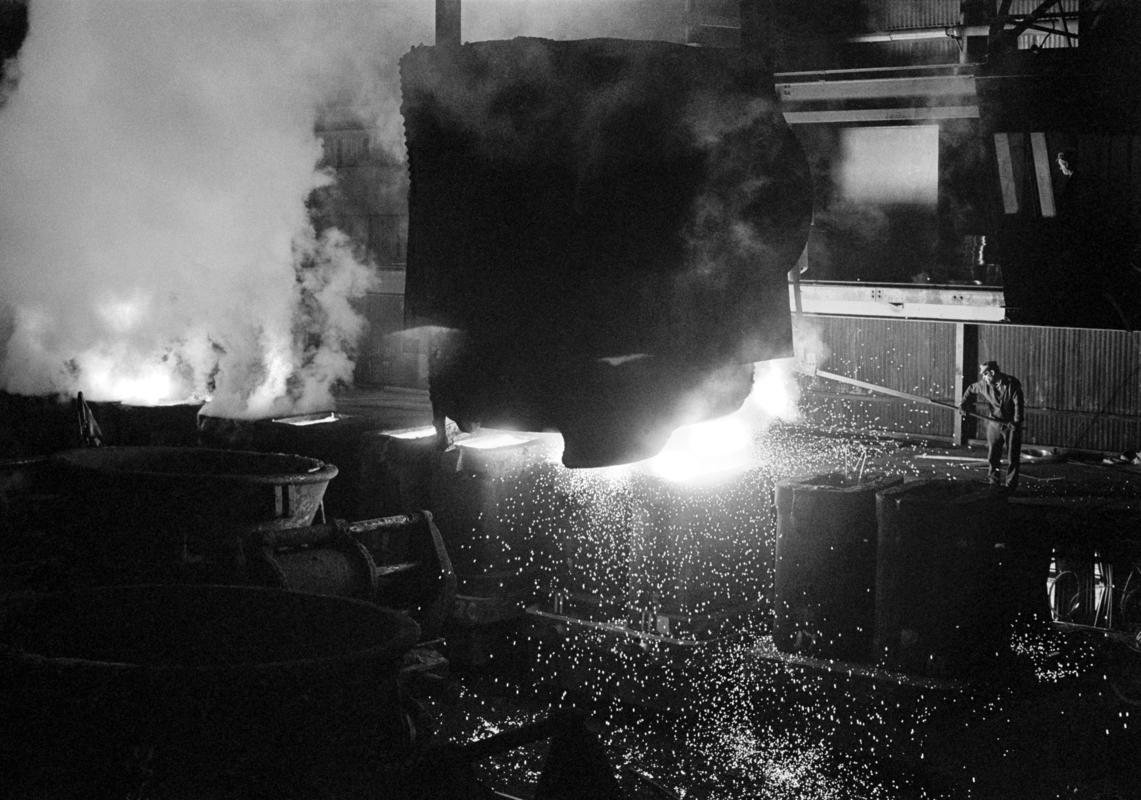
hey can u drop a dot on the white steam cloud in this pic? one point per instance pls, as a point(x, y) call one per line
point(155, 162)
point(156, 157)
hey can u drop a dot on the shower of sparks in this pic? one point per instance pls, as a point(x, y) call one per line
point(674, 577)
point(658, 595)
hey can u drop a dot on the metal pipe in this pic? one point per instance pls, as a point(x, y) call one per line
point(386, 523)
point(810, 371)
point(317, 534)
point(915, 34)
point(1030, 19)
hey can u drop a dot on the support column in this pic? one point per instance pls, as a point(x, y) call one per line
point(448, 22)
point(757, 27)
point(794, 278)
point(973, 14)
point(966, 372)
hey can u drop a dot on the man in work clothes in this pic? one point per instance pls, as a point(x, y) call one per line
point(1002, 395)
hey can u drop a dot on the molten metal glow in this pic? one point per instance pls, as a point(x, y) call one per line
point(695, 453)
point(165, 248)
point(414, 433)
point(111, 377)
point(309, 419)
point(492, 441)
point(774, 392)
point(704, 450)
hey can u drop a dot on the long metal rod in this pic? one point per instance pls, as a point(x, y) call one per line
point(385, 523)
point(918, 34)
point(962, 31)
point(1031, 18)
point(896, 393)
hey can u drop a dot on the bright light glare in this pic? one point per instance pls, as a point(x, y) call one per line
point(107, 377)
point(309, 419)
point(414, 433)
point(492, 441)
point(773, 392)
point(706, 449)
point(890, 164)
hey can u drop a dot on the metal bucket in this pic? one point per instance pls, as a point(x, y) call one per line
point(184, 487)
point(945, 566)
point(169, 424)
point(330, 437)
point(146, 511)
point(824, 587)
point(396, 470)
point(193, 684)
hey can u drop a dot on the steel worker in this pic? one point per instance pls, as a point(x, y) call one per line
point(1002, 395)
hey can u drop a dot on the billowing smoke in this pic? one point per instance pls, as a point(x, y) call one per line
point(156, 159)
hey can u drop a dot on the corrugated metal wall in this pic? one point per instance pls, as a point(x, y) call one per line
point(917, 357)
point(904, 14)
point(1040, 38)
point(893, 15)
point(1082, 386)
point(911, 356)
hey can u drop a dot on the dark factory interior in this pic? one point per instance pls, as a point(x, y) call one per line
point(558, 399)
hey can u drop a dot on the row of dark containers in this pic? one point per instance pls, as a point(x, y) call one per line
point(929, 577)
point(922, 577)
point(495, 499)
point(637, 550)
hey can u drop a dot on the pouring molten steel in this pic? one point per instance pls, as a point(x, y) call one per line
point(603, 230)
